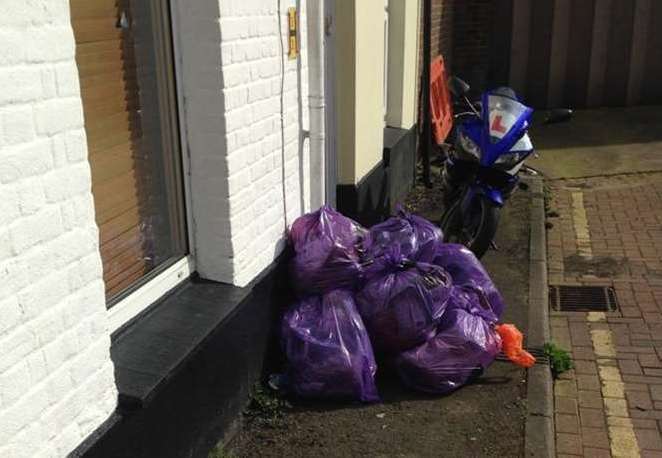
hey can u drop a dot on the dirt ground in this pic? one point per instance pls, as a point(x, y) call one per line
point(484, 419)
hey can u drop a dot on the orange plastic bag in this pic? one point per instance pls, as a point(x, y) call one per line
point(511, 345)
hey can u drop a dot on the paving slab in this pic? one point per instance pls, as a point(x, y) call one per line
point(606, 230)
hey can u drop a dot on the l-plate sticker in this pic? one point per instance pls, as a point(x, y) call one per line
point(497, 126)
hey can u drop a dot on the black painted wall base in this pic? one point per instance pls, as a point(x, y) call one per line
point(367, 201)
point(199, 401)
point(374, 198)
point(400, 162)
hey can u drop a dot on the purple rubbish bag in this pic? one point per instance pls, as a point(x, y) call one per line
point(328, 350)
point(417, 237)
point(326, 252)
point(464, 346)
point(467, 271)
point(402, 301)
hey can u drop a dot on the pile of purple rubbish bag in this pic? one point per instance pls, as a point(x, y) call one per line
point(428, 308)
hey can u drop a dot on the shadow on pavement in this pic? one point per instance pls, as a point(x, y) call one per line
point(598, 127)
point(600, 142)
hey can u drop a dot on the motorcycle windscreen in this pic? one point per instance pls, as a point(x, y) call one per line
point(507, 118)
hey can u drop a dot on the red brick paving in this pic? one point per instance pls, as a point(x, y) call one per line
point(624, 220)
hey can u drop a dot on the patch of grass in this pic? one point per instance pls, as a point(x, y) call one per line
point(265, 408)
point(559, 359)
point(220, 452)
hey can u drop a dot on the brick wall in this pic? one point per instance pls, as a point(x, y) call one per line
point(234, 94)
point(442, 23)
point(473, 36)
point(56, 377)
point(461, 33)
point(257, 132)
point(441, 40)
point(471, 30)
point(245, 108)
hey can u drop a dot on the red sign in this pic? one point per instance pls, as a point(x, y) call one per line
point(440, 101)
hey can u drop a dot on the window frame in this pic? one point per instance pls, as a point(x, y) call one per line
point(136, 299)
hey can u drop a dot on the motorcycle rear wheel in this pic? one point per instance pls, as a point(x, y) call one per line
point(478, 235)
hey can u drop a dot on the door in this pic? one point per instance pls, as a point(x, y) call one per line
point(124, 57)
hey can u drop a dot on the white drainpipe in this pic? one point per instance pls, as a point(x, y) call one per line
point(316, 101)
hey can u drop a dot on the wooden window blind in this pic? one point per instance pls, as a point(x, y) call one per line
point(124, 58)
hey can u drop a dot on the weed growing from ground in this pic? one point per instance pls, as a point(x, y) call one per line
point(265, 407)
point(559, 359)
point(220, 452)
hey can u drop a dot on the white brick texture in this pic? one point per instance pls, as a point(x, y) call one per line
point(56, 376)
point(245, 109)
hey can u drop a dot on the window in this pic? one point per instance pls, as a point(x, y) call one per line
point(124, 57)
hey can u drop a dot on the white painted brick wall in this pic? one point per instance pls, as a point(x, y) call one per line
point(56, 376)
point(234, 74)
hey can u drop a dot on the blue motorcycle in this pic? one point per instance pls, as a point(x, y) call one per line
point(490, 144)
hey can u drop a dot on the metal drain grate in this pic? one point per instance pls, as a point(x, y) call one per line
point(583, 298)
point(538, 353)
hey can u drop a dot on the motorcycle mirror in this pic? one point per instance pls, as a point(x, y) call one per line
point(457, 86)
point(559, 115)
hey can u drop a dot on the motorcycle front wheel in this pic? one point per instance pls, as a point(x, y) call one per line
point(477, 229)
